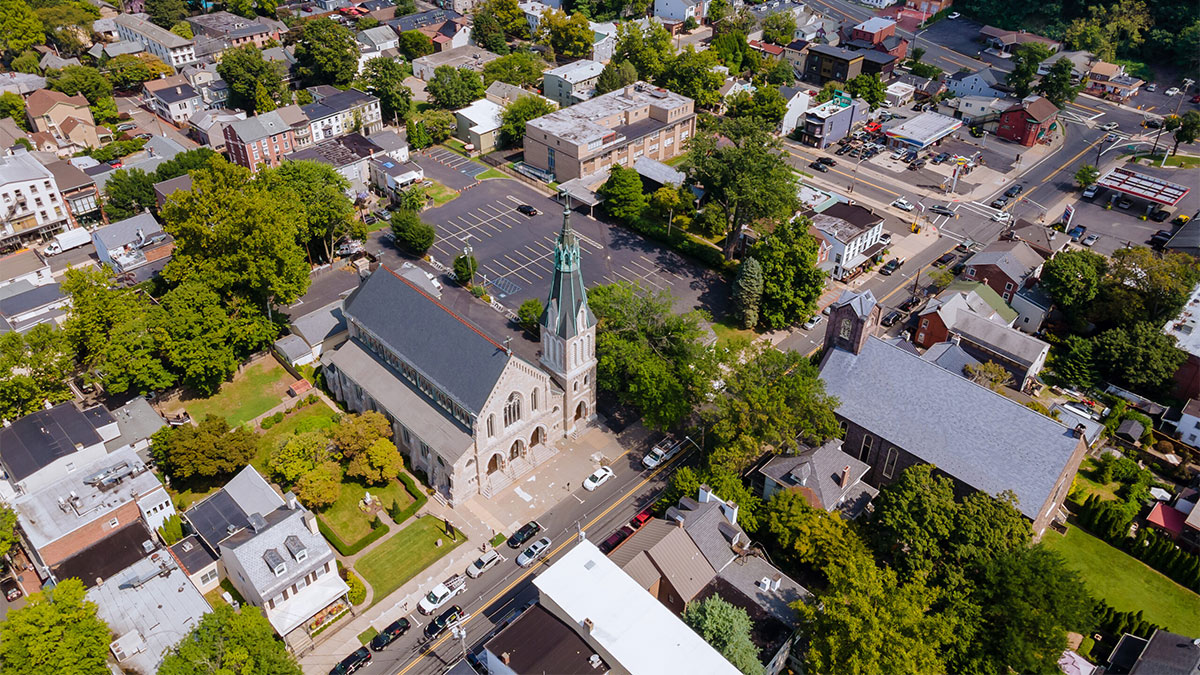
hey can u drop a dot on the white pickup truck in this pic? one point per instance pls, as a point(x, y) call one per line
point(442, 593)
point(661, 452)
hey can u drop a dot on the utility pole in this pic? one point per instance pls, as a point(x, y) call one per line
point(1183, 94)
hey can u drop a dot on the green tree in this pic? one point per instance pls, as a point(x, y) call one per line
point(20, 27)
point(520, 111)
point(989, 374)
point(733, 50)
point(56, 632)
point(439, 124)
point(869, 88)
point(453, 88)
point(616, 74)
point(1073, 363)
point(197, 337)
point(81, 80)
point(183, 29)
point(509, 14)
point(568, 36)
point(418, 135)
point(34, 368)
point(1143, 286)
point(747, 291)
point(749, 179)
point(529, 316)
point(208, 449)
point(1056, 85)
point(378, 464)
point(1188, 130)
point(1141, 357)
point(8, 528)
point(649, 357)
point(648, 49)
point(487, 32)
point(1087, 175)
point(623, 195)
point(412, 234)
point(665, 201)
point(229, 641)
point(792, 283)
point(166, 13)
point(65, 23)
point(692, 74)
point(1072, 279)
point(465, 267)
point(779, 72)
point(245, 71)
point(326, 53)
point(809, 536)
point(235, 235)
point(727, 628)
point(354, 434)
point(521, 69)
point(263, 102)
point(772, 401)
point(414, 44)
point(187, 162)
point(766, 105)
point(318, 191)
point(829, 90)
point(321, 485)
point(128, 71)
point(779, 28)
point(12, 105)
point(1028, 57)
point(297, 455)
point(27, 62)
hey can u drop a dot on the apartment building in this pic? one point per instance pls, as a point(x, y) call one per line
point(572, 83)
point(343, 112)
point(173, 98)
point(234, 29)
point(615, 128)
point(172, 49)
point(258, 140)
point(30, 205)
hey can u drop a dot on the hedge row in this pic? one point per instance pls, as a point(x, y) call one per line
point(419, 498)
point(684, 243)
point(378, 530)
point(1109, 521)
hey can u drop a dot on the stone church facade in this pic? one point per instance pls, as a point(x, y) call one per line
point(464, 409)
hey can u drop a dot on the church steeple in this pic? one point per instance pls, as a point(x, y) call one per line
point(567, 313)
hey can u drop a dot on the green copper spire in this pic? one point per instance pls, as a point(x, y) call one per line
point(567, 312)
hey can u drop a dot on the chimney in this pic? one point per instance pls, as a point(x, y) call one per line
point(775, 581)
point(629, 91)
point(587, 623)
point(505, 658)
point(955, 339)
point(730, 509)
point(310, 519)
point(1077, 432)
point(845, 477)
point(706, 495)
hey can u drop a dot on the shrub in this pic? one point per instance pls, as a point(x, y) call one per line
point(358, 590)
point(478, 291)
point(171, 530)
point(412, 234)
point(529, 314)
point(399, 515)
point(465, 267)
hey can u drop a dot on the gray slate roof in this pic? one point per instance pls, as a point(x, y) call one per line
point(862, 303)
point(951, 357)
point(122, 232)
point(709, 528)
point(1015, 258)
point(254, 549)
point(1010, 342)
point(38, 439)
point(658, 172)
point(820, 469)
point(968, 431)
point(441, 345)
point(39, 296)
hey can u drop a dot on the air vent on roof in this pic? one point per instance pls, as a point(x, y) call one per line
point(187, 546)
point(658, 93)
point(257, 523)
point(147, 546)
point(589, 564)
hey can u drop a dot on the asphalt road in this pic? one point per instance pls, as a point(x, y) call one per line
point(497, 597)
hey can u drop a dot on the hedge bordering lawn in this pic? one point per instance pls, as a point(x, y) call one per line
point(350, 549)
point(419, 499)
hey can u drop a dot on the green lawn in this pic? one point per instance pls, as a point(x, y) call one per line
point(405, 555)
point(314, 417)
point(214, 596)
point(492, 173)
point(728, 330)
point(367, 635)
point(1087, 483)
point(1125, 583)
point(350, 522)
point(440, 194)
point(251, 393)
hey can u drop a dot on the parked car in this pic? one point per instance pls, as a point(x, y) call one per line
point(899, 154)
point(1090, 240)
point(910, 304)
point(11, 590)
point(599, 477)
point(536, 551)
point(1180, 219)
point(945, 260)
point(891, 266)
point(443, 620)
point(817, 166)
point(886, 238)
point(1014, 191)
point(1124, 203)
point(484, 563)
point(1090, 191)
point(348, 247)
point(943, 210)
point(916, 165)
point(640, 519)
point(1152, 87)
point(115, 163)
point(813, 321)
point(1195, 98)
point(903, 204)
point(1159, 215)
point(387, 636)
point(358, 659)
point(891, 318)
point(1173, 91)
point(528, 531)
point(953, 15)
point(842, 150)
point(528, 210)
point(370, 219)
point(999, 202)
point(662, 452)
point(941, 157)
point(614, 540)
point(126, 126)
point(1077, 232)
point(442, 593)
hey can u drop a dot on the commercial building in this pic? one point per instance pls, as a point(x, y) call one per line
point(1007, 41)
point(171, 49)
point(853, 233)
point(877, 34)
point(479, 125)
point(1029, 121)
point(1185, 328)
point(831, 121)
point(615, 128)
point(341, 113)
point(30, 204)
point(922, 131)
point(234, 30)
point(78, 190)
point(572, 83)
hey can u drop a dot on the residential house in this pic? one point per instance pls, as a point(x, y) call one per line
point(1187, 429)
point(985, 82)
point(207, 127)
point(1006, 266)
point(796, 53)
point(157, 150)
point(1109, 80)
point(23, 306)
point(25, 266)
point(853, 233)
point(81, 508)
point(977, 110)
point(604, 40)
point(927, 7)
point(378, 39)
point(391, 176)
point(614, 128)
point(342, 113)
point(1047, 242)
point(136, 423)
point(173, 99)
point(39, 448)
point(572, 83)
point(465, 410)
point(814, 27)
point(448, 28)
point(877, 34)
point(1081, 64)
point(886, 395)
point(478, 125)
point(826, 63)
point(52, 61)
point(828, 478)
point(234, 30)
point(924, 88)
point(503, 94)
point(1007, 41)
point(766, 49)
point(78, 191)
point(150, 607)
point(133, 244)
point(347, 155)
point(899, 94)
point(467, 56)
point(171, 49)
point(1185, 328)
point(100, 51)
point(11, 134)
point(1165, 653)
point(313, 333)
point(537, 641)
point(66, 118)
point(679, 11)
point(30, 205)
point(1033, 306)
point(831, 121)
point(21, 83)
point(798, 101)
point(260, 140)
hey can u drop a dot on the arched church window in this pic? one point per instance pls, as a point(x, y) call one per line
point(512, 409)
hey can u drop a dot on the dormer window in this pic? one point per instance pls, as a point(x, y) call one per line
point(275, 561)
point(296, 547)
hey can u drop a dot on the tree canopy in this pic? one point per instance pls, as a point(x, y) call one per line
point(247, 73)
point(414, 44)
point(206, 450)
point(693, 74)
point(317, 192)
point(568, 36)
point(520, 111)
point(34, 367)
point(766, 105)
point(727, 628)
point(326, 53)
point(20, 27)
point(521, 69)
point(624, 198)
point(453, 88)
point(229, 641)
point(56, 632)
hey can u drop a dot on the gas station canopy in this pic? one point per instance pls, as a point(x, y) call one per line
point(1143, 186)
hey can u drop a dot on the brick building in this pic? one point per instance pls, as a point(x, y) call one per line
point(1028, 121)
point(1006, 266)
point(262, 139)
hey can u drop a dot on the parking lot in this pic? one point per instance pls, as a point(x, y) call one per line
point(516, 252)
point(448, 168)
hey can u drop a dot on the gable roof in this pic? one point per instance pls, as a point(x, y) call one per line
point(950, 356)
point(1015, 258)
point(1039, 237)
point(38, 439)
point(463, 361)
point(819, 471)
point(41, 101)
point(984, 301)
point(985, 440)
point(662, 548)
point(1038, 107)
point(1011, 343)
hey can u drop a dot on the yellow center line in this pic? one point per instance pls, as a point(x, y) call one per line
point(1085, 107)
point(1064, 165)
point(532, 569)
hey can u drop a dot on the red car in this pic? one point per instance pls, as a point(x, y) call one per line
point(1196, 98)
point(640, 519)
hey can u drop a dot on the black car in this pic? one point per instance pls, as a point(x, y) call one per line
point(891, 319)
point(943, 210)
point(1159, 215)
point(819, 167)
point(890, 266)
point(827, 161)
point(842, 150)
point(527, 210)
point(527, 532)
point(910, 304)
point(360, 658)
point(1014, 191)
point(370, 219)
point(438, 625)
point(999, 202)
point(390, 634)
point(918, 164)
point(945, 260)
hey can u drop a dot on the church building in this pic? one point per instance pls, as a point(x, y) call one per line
point(466, 411)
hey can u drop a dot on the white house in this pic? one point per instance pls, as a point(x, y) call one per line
point(986, 82)
point(171, 49)
point(798, 99)
point(971, 108)
point(681, 10)
point(853, 234)
point(899, 94)
point(572, 83)
point(1188, 427)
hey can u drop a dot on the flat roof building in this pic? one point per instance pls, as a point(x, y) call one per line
point(922, 131)
point(174, 50)
point(467, 56)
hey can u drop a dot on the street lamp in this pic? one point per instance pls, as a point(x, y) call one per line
point(1182, 95)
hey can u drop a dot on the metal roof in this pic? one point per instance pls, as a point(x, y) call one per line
point(1144, 186)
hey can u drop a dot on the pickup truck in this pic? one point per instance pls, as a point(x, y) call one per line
point(661, 452)
point(442, 593)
